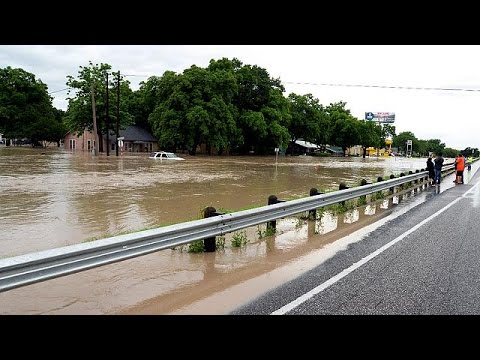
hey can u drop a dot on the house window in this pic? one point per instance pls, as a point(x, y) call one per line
point(72, 144)
point(113, 146)
point(89, 144)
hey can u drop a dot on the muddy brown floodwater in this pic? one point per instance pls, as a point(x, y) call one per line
point(61, 198)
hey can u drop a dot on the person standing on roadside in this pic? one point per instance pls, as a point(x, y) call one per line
point(460, 166)
point(438, 168)
point(431, 171)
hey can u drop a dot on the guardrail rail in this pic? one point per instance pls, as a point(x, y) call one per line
point(48, 264)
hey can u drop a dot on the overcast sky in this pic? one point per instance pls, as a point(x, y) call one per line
point(451, 116)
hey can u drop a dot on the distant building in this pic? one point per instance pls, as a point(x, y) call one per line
point(334, 150)
point(301, 147)
point(135, 139)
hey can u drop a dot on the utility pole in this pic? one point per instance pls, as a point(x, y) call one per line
point(95, 149)
point(118, 108)
point(107, 121)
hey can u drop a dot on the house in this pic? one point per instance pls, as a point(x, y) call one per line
point(84, 142)
point(334, 150)
point(133, 139)
point(301, 147)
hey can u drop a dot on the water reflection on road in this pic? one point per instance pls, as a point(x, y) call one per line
point(63, 198)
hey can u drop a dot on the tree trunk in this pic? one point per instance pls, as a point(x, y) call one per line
point(100, 141)
point(94, 120)
point(364, 152)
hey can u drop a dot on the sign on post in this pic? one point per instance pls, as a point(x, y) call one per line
point(381, 117)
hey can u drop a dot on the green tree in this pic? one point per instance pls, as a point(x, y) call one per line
point(308, 120)
point(450, 152)
point(79, 113)
point(370, 134)
point(388, 131)
point(433, 145)
point(150, 94)
point(197, 109)
point(278, 117)
point(345, 129)
point(263, 116)
point(26, 109)
point(46, 129)
point(400, 141)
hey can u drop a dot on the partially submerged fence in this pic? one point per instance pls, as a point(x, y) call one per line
point(40, 266)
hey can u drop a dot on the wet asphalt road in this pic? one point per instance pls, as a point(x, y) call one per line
point(432, 267)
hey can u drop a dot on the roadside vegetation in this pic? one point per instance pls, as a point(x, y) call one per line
point(228, 107)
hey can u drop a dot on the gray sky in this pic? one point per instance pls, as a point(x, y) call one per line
point(429, 114)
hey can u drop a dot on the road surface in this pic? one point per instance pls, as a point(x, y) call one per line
point(425, 261)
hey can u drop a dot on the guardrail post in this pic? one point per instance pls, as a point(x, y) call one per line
point(416, 181)
point(363, 198)
point(392, 189)
point(209, 244)
point(342, 186)
point(313, 213)
point(272, 199)
point(411, 182)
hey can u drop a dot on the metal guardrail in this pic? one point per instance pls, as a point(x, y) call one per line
point(40, 266)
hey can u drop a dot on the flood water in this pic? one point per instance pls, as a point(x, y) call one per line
point(61, 198)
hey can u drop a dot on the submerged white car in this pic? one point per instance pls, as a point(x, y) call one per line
point(163, 155)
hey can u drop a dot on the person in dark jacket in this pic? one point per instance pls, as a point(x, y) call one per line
point(431, 171)
point(438, 163)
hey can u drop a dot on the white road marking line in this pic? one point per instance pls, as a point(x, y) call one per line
point(292, 305)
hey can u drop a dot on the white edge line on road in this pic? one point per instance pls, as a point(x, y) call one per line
point(292, 305)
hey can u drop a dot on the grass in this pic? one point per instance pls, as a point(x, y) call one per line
point(265, 233)
point(195, 246)
point(239, 239)
point(220, 242)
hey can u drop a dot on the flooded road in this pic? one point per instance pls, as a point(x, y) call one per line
point(63, 198)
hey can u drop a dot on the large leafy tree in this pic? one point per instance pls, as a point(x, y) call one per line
point(388, 131)
point(263, 116)
point(151, 92)
point(196, 107)
point(79, 114)
point(469, 151)
point(370, 134)
point(400, 141)
point(345, 129)
point(26, 109)
point(225, 106)
point(433, 145)
point(278, 117)
point(48, 129)
point(308, 119)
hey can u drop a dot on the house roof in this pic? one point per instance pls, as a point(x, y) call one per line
point(306, 144)
point(135, 133)
point(335, 149)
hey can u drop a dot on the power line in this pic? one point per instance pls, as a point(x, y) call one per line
point(339, 85)
point(384, 86)
point(53, 92)
point(138, 75)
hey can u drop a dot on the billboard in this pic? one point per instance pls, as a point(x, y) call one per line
point(381, 117)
